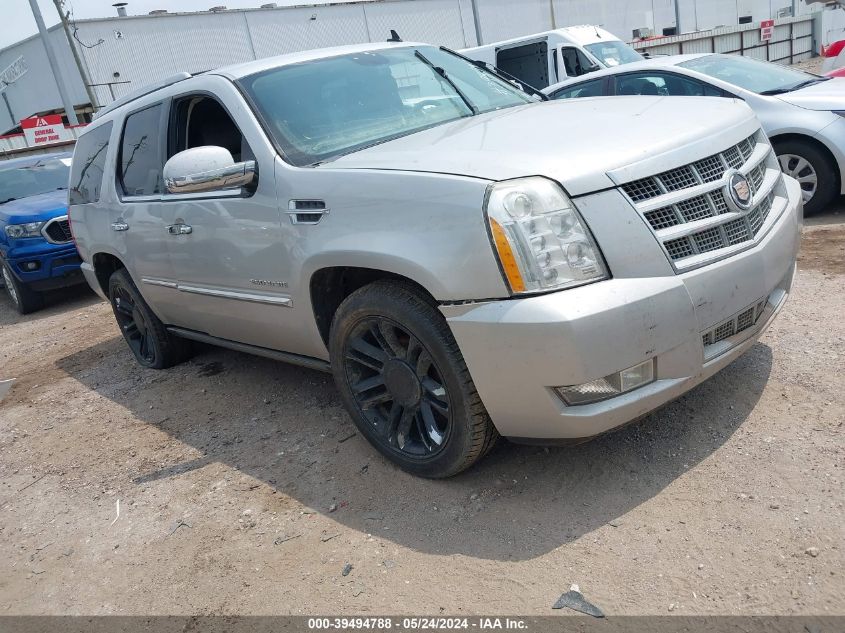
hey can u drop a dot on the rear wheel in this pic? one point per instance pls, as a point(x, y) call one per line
point(813, 170)
point(404, 381)
point(23, 297)
point(152, 345)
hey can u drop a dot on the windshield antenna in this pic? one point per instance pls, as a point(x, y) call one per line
point(394, 36)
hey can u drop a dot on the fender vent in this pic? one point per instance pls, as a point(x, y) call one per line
point(306, 211)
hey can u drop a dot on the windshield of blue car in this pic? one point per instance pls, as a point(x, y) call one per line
point(40, 176)
point(613, 53)
point(325, 108)
point(751, 74)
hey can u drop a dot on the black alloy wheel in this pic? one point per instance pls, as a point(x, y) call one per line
point(404, 381)
point(151, 344)
point(398, 387)
point(136, 330)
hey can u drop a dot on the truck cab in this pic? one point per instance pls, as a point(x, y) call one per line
point(544, 58)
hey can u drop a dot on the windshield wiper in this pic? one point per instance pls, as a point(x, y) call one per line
point(442, 73)
point(7, 200)
point(499, 74)
point(803, 84)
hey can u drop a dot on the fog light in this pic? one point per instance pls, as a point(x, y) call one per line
point(609, 386)
point(30, 266)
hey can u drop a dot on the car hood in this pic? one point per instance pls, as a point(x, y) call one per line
point(34, 208)
point(827, 95)
point(576, 142)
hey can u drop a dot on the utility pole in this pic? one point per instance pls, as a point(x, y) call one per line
point(84, 75)
point(54, 64)
point(477, 21)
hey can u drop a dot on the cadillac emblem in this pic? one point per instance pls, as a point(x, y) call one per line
point(738, 190)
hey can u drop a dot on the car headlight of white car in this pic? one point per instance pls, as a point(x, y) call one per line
point(540, 238)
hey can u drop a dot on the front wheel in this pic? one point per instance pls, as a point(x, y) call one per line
point(813, 171)
point(150, 342)
point(23, 297)
point(404, 381)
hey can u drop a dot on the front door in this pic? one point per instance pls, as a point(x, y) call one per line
point(227, 247)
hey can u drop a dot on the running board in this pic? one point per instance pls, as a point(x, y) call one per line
point(285, 357)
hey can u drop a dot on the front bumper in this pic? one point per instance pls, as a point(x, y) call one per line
point(517, 351)
point(57, 265)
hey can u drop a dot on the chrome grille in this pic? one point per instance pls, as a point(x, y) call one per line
point(708, 240)
point(678, 179)
point(689, 210)
point(713, 167)
point(710, 169)
point(57, 231)
point(737, 231)
point(662, 218)
point(643, 189)
point(719, 202)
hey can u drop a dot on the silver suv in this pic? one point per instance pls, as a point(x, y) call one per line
point(466, 260)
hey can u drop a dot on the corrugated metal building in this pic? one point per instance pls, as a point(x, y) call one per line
point(121, 54)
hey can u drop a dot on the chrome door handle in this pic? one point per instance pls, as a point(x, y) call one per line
point(179, 229)
point(120, 225)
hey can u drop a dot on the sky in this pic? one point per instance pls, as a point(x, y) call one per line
point(18, 22)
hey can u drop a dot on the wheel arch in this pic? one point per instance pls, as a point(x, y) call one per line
point(105, 264)
point(818, 144)
point(330, 285)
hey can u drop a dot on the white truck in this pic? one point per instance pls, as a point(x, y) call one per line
point(545, 58)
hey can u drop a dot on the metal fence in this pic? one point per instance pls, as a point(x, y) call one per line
point(792, 41)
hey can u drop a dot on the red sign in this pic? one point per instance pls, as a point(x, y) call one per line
point(767, 29)
point(44, 130)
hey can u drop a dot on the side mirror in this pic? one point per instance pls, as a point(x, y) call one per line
point(205, 169)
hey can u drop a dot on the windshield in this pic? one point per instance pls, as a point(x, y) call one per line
point(614, 53)
point(324, 108)
point(750, 74)
point(38, 177)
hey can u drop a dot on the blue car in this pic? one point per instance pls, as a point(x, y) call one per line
point(37, 252)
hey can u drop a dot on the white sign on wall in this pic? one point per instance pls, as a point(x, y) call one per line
point(45, 130)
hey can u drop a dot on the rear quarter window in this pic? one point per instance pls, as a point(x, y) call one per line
point(89, 162)
point(141, 155)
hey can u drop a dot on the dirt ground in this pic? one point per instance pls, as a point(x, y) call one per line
point(231, 485)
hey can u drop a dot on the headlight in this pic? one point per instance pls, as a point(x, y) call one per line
point(30, 229)
point(540, 239)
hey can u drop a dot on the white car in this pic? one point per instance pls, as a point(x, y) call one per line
point(803, 114)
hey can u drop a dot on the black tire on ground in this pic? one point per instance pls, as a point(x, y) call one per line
point(404, 381)
point(22, 296)
point(152, 345)
point(819, 162)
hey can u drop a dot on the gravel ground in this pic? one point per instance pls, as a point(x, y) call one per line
point(234, 485)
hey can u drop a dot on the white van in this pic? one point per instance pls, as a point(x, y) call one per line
point(545, 58)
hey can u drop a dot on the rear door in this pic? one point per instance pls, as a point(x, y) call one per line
point(527, 62)
point(139, 222)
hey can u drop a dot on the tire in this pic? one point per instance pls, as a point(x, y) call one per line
point(22, 296)
point(812, 167)
point(152, 345)
point(403, 380)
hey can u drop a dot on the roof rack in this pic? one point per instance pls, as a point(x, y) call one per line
point(137, 94)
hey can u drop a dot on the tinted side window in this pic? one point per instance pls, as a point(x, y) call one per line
point(89, 160)
point(587, 89)
point(141, 156)
point(575, 62)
